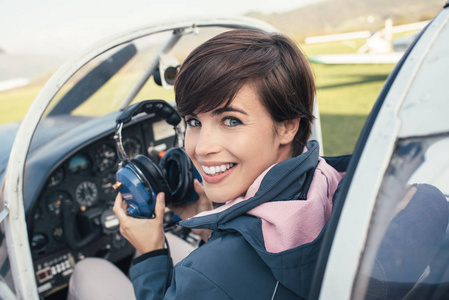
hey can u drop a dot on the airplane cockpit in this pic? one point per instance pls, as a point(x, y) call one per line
point(388, 230)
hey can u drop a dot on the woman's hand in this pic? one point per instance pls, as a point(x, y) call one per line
point(145, 235)
point(191, 209)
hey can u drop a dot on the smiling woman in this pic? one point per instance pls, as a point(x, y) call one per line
point(247, 97)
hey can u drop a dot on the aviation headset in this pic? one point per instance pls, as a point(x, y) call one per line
point(139, 179)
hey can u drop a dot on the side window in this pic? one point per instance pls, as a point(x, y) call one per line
point(407, 249)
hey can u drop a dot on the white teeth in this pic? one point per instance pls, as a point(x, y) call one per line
point(216, 169)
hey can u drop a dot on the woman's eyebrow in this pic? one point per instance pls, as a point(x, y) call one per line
point(194, 115)
point(222, 110)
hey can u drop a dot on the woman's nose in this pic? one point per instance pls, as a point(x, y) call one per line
point(207, 142)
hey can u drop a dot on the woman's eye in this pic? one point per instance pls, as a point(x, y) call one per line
point(232, 122)
point(193, 123)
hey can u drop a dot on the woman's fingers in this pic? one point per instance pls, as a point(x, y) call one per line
point(119, 207)
point(199, 189)
point(159, 209)
point(144, 234)
point(204, 202)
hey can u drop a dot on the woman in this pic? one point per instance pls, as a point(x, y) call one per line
point(247, 97)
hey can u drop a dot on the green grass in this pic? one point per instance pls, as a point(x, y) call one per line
point(15, 103)
point(345, 94)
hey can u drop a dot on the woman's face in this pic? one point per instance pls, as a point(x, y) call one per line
point(231, 146)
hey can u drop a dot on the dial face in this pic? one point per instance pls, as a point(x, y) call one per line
point(86, 193)
point(39, 241)
point(56, 178)
point(105, 157)
point(55, 200)
point(79, 162)
point(132, 147)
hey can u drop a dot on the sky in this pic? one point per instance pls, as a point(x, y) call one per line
point(64, 28)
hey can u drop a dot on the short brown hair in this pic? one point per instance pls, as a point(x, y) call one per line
point(215, 72)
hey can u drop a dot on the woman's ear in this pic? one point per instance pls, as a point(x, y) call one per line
point(287, 130)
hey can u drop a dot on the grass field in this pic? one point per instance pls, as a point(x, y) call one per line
point(14, 103)
point(345, 93)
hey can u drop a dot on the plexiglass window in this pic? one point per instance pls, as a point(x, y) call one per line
point(407, 250)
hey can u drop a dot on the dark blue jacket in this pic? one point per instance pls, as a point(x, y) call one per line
point(234, 263)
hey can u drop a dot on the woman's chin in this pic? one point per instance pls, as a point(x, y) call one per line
point(217, 196)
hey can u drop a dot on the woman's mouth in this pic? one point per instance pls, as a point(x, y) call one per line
point(217, 170)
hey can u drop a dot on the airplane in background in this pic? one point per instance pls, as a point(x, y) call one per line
point(379, 47)
point(386, 238)
point(13, 83)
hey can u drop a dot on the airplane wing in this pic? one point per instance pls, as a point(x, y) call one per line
point(357, 58)
point(13, 83)
point(364, 34)
point(379, 48)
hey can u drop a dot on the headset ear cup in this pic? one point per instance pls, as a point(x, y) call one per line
point(177, 169)
point(153, 175)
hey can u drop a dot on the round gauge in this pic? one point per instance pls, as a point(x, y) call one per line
point(86, 193)
point(106, 184)
point(55, 200)
point(79, 162)
point(39, 241)
point(105, 157)
point(56, 177)
point(132, 147)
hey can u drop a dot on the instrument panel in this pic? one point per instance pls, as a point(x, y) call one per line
point(72, 217)
point(85, 179)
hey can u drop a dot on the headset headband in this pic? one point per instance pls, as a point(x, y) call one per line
point(158, 107)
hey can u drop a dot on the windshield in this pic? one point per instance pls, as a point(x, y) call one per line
point(408, 245)
point(108, 82)
point(101, 85)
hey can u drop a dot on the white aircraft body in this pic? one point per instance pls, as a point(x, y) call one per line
point(379, 48)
